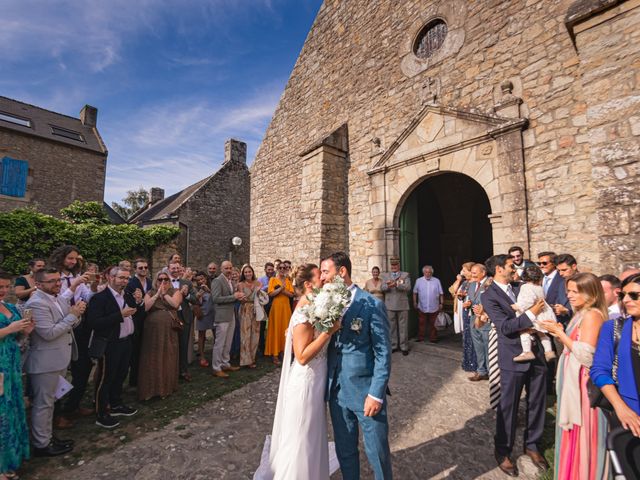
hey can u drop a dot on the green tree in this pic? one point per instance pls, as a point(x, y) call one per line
point(134, 201)
point(85, 212)
point(26, 234)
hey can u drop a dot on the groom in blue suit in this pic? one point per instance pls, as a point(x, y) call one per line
point(359, 368)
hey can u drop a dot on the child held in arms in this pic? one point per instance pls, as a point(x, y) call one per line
point(530, 292)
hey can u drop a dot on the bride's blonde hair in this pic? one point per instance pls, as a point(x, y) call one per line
point(303, 273)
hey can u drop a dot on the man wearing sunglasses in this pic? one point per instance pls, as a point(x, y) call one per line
point(141, 283)
point(553, 285)
point(110, 317)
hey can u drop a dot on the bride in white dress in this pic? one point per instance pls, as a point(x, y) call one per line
point(299, 448)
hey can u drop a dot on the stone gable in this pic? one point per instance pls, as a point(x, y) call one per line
point(568, 173)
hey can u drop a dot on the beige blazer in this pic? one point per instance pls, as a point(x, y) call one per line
point(396, 298)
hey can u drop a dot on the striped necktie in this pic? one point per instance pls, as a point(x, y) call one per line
point(494, 369)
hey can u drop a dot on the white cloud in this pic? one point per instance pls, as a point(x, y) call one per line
point(178, 143)
point(95, 32)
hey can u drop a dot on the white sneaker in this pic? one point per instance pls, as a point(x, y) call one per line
point(524, 357)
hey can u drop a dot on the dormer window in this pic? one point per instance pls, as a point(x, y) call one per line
point(8, 117)
point(70, 134)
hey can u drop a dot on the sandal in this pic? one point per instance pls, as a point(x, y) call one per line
point(204, 363)
point(276, 362)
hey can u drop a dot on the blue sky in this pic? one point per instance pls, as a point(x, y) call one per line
point(172, 79)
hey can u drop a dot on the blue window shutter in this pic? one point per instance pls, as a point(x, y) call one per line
point(14, 177)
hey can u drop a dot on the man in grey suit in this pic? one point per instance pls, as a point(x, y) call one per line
point(223, 299)
point(396, 285)
point(52, 348)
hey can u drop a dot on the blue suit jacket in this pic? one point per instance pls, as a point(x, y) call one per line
point(557, 293)
point(603, 361)
point(359, 363)
point(497, 304)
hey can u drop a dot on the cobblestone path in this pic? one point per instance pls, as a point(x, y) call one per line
point(440, 428)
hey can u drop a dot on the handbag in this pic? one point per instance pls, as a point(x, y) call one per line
point(596, 397)
point(176, 323)
point(443, 320)
point(258, 305)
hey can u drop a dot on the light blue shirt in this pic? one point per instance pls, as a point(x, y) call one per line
point(428, 291)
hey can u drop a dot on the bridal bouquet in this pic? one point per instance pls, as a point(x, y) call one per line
point(327, 304)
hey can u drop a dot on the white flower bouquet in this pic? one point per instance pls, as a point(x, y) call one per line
point(327, 304)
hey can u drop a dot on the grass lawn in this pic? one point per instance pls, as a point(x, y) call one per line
point(91, 440)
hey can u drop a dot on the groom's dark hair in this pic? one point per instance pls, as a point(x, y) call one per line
point(340, 259)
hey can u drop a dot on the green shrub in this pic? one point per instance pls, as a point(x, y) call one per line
point(26, 233)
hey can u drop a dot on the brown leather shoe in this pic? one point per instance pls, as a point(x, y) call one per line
point(220, 374)
point(62, 423)
point(506, 465)
point(476, 377)
point(537, 459)
point(230, 368)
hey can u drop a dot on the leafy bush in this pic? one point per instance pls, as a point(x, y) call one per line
point(26, 233)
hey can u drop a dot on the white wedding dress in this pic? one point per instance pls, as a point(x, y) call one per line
point(298, 446)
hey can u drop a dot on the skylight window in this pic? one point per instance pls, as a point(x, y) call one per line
point(63, 132)
point(7, 117)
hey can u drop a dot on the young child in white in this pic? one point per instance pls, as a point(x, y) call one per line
point(530, 292)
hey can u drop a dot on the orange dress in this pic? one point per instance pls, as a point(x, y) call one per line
point(279, 317)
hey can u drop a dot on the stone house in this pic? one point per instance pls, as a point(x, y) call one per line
point(447, 131)
point(47, 159)
point(209, 214)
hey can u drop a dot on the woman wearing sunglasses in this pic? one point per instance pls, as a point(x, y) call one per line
point(625, 395)
point(158, 369)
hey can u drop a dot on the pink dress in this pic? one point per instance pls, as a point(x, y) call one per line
point(580, 453)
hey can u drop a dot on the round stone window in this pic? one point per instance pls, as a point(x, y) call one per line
point(430, 38)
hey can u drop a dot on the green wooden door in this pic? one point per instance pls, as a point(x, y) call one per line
point(409, 251)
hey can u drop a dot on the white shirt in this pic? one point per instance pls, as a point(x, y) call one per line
point(83, 292)
point(126, 327)
point(614, 311)
point(548, 279)
point(175, 282)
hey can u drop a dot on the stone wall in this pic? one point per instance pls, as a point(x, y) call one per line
point(58, 174)
point(219, 211)
point(608, 47)
point(356, 69)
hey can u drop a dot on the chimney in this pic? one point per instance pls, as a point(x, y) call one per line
point(157, 194)
point(235, 151)
point(89, 116)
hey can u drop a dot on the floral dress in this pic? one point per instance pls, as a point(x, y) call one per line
point(14, 433)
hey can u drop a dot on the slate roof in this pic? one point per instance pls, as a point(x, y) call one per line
point(114, 216)
point(41, 123)
point(167, 207)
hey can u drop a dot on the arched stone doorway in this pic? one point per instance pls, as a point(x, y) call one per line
point(444, 222)
point(483, 149)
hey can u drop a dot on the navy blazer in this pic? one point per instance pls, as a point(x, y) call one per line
point(557, 294)
point(603, 363)
point(497, 305)
point(134, 282)
point(103, 315)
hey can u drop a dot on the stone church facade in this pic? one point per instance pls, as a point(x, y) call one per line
point(447, 131)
